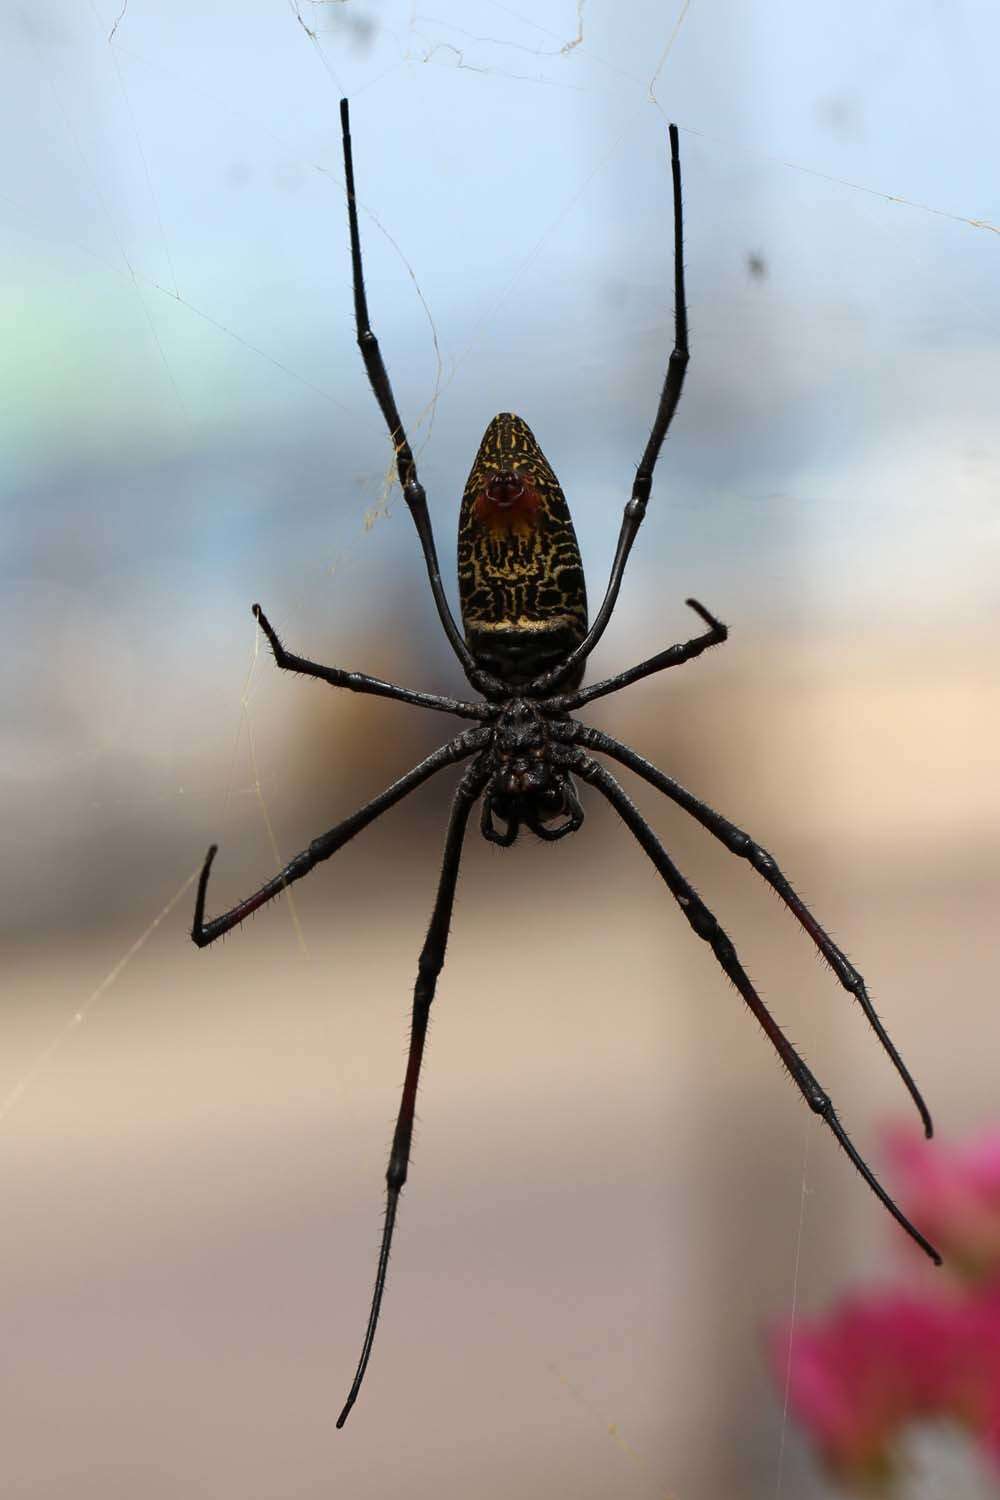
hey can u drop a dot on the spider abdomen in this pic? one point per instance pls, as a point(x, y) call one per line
point(520, 578)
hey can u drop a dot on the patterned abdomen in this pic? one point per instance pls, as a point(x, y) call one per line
point(520, 579)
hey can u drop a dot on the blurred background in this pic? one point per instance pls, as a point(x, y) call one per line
point(613, 1187)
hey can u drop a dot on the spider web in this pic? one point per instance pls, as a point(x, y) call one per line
point(193, 432)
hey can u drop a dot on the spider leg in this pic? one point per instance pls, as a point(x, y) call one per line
point(488, 826)
point(670, 395)
point(203, 933)
point(738, 842)
point(360, 682)
point(429, 967)
point(673, 656)
point(704, 924)
point(572, 819)
point(413, 490)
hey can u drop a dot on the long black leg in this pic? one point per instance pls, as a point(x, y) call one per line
point(635, 510)
point(673, 656)
point(739, 842)
point(360, 682)
point(704, 924)
point(203, 932)
point(429, 967)
point(413, 490)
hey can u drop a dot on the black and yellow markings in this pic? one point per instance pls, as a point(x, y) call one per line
point(520, 577)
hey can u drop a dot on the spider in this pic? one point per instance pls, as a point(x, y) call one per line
point(524, 649)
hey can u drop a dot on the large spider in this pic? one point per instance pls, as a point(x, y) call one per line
point(526, 642)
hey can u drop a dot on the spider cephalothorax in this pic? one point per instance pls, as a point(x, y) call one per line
point(529, 785)
point(524, 649)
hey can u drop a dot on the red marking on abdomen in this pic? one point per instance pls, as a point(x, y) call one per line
point(507, 503)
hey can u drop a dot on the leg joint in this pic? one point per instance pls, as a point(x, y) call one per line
point(702, 921)
point(429, 966)
point(817, 1100)
point(758, 857)
point(395, 1175)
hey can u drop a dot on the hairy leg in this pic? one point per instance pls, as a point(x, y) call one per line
point(704, 924)
point(203, 933)
point(673, 656)
point(738, 842)
point(359, 682)
point(429, 967)
point(413, 490)
point(670, 395)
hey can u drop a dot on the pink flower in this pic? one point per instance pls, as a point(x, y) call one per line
point(860, 1374)
point(879, 1361)
point(975, 1379)
point(953, 1193)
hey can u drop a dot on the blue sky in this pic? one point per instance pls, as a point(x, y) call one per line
point(188, 424)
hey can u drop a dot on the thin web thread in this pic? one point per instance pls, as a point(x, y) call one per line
point(562, 50)
point(138, 141)
point(803, 1194)
point(229, 332)
point(428, 411)
point(76, 1020)
point(29, 28)
point(245, 717)
point(320, 50)
point(245, 721)
point(575, 197)
point(976, 223)
point(666, 53)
